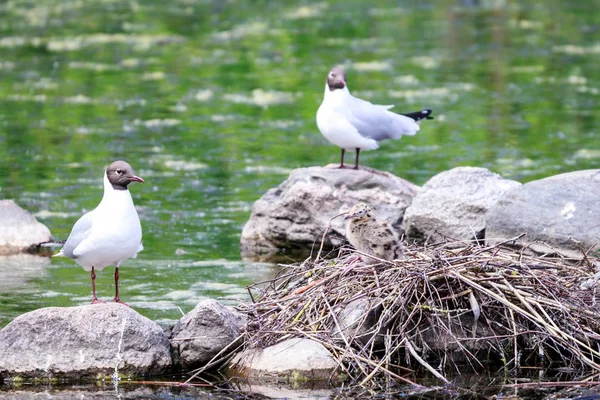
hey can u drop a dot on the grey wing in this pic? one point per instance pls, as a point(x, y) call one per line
point(81, 230)
point(376, 122)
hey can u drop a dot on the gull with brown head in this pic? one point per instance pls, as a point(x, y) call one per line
point(111, 232)
point(354, 124)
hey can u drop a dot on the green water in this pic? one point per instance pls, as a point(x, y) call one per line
point(214, 102)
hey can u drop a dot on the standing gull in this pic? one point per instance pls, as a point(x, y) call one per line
point(371, 236)
point(111, 232)
point(354, 124)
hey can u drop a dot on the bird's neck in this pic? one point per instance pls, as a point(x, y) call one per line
point(111, 194)
point(336, 95)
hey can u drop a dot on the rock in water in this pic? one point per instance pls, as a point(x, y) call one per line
point(556, 213)
point(204, 332)
point(19, 230)
point(453, 204)
point(290, 359)
point(83, 342)
point(294, 215)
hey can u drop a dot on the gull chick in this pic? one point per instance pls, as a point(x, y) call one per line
point(371, 236)
point(111, 232)
point(354, 124)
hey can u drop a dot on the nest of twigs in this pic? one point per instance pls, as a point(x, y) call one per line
point(443, 307)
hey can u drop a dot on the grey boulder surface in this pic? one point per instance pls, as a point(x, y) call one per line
point(203, 332)
point(19, 230)
point(453, 204)
point(81, 342)
point(296, 358)
point(294, 215)
point(558, 214)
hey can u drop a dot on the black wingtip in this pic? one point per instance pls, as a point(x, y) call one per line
point(420, 115)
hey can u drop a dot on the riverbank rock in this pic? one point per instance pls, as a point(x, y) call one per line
point(83, 342)
point(453, 204)
point(291, 360)
point(204, 332)
point(555, 213)
point(19, 229)
point(294, 215)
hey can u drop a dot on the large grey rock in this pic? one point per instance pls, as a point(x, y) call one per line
point(204, 332)
point(294, 215)
point(84, 341)
point(292, 359)
point(558, 211)
point(19, 230)
point(454, 204)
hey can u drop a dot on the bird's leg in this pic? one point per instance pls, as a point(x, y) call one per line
point(356, 161)
point(342, 158)
point(94, 298)
point(116, 299)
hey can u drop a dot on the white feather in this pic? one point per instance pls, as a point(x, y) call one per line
point(351, 123)
point(107, 235)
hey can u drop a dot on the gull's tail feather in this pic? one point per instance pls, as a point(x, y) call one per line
point(54, 243)
point(138, 250)
point(59, 254)
point(420, 115)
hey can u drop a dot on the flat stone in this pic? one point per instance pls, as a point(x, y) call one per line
point(558, 214)
point(83, 342)
point(294, 215)
point(204, 332)
point(453, 204)
point(20, 230)
point(292, 359)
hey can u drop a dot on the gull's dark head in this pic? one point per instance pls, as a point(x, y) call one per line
point(336, 78)
point(120, 174)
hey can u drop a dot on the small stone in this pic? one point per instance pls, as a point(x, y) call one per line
point(203, 332)
point(357, 320)
point(292, 359)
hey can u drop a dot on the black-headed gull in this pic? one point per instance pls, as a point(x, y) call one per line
point(111, 232)
point(372, 236)
point(355, 124)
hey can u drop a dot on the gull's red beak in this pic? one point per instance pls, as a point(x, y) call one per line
point(135, 178)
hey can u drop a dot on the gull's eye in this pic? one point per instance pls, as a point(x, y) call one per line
point(119, 171)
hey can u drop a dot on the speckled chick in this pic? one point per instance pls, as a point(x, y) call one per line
point(371, 236)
